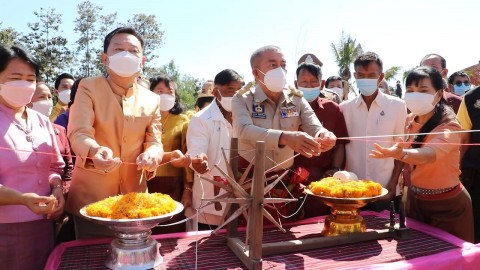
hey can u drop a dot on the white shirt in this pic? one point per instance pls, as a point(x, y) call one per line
point(208, 132)
point(386, 116)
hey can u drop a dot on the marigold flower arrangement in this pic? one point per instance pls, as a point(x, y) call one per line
point(132, 205)
point(332, 187)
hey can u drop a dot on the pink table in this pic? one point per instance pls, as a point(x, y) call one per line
point(428, 248)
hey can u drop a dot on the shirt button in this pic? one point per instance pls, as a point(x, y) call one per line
point(125, 139)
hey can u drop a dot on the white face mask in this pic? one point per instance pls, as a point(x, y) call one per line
point(124, 64)
point(64, 96)
point(17, 93)
point(167, 102)
point(338, 91)
point(43, 106)
point(420, 103)
point(310, 94)
point(226, 102)
point(367, 87)
point(275, 79)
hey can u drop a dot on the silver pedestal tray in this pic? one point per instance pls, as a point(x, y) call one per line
point(133, 248)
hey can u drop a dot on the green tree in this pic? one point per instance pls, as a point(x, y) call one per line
point(187, 86)
point(150, 30)
point(8, 36)
point(85, 25)
point(47, 45)
point(391, 73)
point(107, 24)
point(345, 52)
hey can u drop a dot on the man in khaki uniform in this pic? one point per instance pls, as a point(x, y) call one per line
point(115, 130)
point(274, 114)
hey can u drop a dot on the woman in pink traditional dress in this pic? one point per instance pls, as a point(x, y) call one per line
point(31, 194)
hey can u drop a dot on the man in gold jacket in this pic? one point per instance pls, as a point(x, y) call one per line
point(115, 131)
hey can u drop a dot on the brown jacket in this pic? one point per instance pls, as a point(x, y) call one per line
point(127, 122)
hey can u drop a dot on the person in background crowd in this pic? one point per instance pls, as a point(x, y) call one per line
point(439, 63)
point(331, 117)
point(63, 86)
point(469, 118)
point(316, 80)
point(207, 87)
point(62, 119)
point(436, 196)
point(42, 103)
point(274, 114)
point(203, 100)
point(31, 193)
point(398, 89)
point(335, 84)
point(113, 123)
point(170, 179)
point(210, 131)
point(383, 87)
point(373, 113)
point(459, 83)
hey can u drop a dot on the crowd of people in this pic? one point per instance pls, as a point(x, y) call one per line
point(124, 133)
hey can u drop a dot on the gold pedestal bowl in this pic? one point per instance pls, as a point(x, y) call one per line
point(345, 217)
point(133, 248)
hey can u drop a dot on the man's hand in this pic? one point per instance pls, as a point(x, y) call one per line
point(102, 158)
point(301, 143)
point(178, 159)
point(200, 163)
point(327, 140)
point(40, 205)
point(147, 161)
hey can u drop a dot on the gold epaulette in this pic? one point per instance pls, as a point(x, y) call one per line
point(246, 88)
point(294, 91)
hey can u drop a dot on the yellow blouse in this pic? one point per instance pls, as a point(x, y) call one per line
point(173, 137)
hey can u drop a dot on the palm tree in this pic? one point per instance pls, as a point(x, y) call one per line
point(391, 73)
point(345, 52)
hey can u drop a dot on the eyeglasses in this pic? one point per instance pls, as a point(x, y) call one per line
point(460, 83)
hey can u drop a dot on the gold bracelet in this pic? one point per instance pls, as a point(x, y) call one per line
point(188, 188)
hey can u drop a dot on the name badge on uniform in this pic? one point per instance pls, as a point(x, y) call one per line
point(258, 111)
point(287, 112)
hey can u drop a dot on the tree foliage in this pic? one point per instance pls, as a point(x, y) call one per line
point(345, 52)
point(148, 27)
point(47, 44)
point(391, 73)
point(8, 36)
point(86, 27)
point(82, 56)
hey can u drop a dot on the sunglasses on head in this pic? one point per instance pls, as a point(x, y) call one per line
point(460, 83)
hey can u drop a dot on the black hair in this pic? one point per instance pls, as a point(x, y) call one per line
point(121, 30)
point(7, 54)
point(313, 69)
point(366, 58)
point(74, 91)
point(331, 79)
point(226, 76)
point(202, 101)
point(178, 108)
point(443, 62)
point(455, 74)
point(62, 76)
point(441, 109)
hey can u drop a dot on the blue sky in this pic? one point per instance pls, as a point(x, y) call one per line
point(205, 37)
